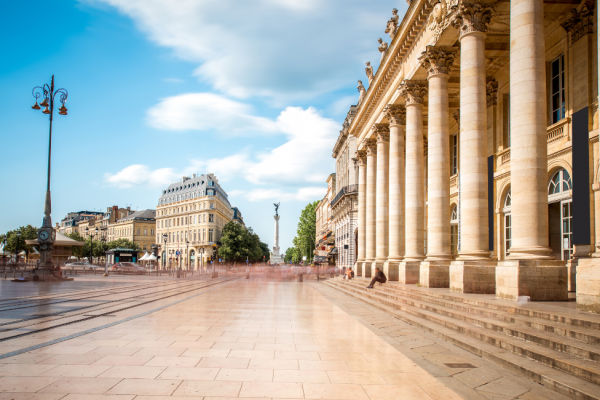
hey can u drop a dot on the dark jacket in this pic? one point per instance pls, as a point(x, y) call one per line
point(380, 277)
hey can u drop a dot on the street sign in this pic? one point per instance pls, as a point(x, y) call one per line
point(177, 253)
point(219, 260)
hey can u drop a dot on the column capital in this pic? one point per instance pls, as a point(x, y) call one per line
point(437, 60)
point(413, 91)
point(395, 113)
point(370, 145)
point(491, 91)
point(382, 131)
point(361, 155)
point(580, 23)
point(473, 16)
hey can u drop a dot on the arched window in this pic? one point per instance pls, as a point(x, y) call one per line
point(560, 182)
point(454, 230)
point(507, 222)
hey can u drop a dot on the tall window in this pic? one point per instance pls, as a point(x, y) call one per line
point(210, 235)
point(454, 230)
point(454, 154)
point(558, 89)
point(203, 235)
point(566, 230)
point(507, 223)
point(211, 217)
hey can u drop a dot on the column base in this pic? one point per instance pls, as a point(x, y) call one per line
point(473, 277)
point(541, 280)
point(376, 264)
point(474, 256)
point(390, 269)
point(408, 271)
point(434, 274)
point(366, 269)
point(572, 274)
point(530, 253)
point(588, 285)
point(358, 268)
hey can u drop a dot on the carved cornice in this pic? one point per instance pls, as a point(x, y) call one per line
point(491, 90)
point(361, 155)
point(437, 60)
point(395, 113)
point(414, 91)
point(440, 17)
point(382, 131)
point(473, 16)
point(580, 23)
point(371, 146)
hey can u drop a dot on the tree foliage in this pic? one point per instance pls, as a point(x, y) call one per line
point(14, 242)
point(305, 240)
point(240, 244)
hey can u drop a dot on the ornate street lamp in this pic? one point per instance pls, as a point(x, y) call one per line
point(165, 250)
point(92, 236)
point(47, 234)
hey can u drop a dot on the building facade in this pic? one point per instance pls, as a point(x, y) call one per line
point(325, 250)
point(478, 155)
point(70, 223)
point(344, 206)
point(138, 227)
point(190, 217)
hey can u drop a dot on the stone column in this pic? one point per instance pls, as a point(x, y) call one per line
point(370, 250)
point(361, 155)
point(471, 19)
point(435, 270)
point(413, 93)
point(382, 196)
point(396, 115)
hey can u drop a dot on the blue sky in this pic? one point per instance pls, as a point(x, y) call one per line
point(254, 92)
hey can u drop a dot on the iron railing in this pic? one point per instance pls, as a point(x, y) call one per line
point(344, 191)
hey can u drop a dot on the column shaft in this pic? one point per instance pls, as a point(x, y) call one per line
point(396, 193)
point(362, 205)
point(528, 113)
point(371, 215)
point(414, 191)
point(473, 145)
point(382, 194)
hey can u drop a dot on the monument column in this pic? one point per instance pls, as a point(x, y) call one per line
point(396, 115)
point(471, 20)
point(361, 155)
point(435, 270)
point(382, 196)
point(371, 215)
point(414, 93)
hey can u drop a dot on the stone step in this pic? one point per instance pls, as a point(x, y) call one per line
point(560, 381)
point(469, 314)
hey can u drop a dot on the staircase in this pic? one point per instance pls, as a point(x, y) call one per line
point(555, 346)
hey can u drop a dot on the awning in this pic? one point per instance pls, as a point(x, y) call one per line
point(151, 257)
point(144, 257)
point(333, 251)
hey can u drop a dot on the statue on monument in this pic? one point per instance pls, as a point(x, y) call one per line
point(369, 72)
point(392, 24)
point(276, 207)
point(362, 91)
point(383, 48)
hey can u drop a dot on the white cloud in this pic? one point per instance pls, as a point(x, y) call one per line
point(206, 111)
point(281, 49)
point(137, 174)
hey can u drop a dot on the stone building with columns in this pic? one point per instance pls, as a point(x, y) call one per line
point(477, 148)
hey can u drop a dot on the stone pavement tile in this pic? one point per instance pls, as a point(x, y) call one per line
point(81, 371)
point(245, 375)
point(409, 366)
point(25, 384)
point(114, 351)
point(297, 355)
point(259, 363)
point(132, 372)
point(123, 360)
point(207, 353)
point(477, 376)
point(502, 387)
point(441, 393)
point(293, 341)
point(98, 397)
point(334, 391)
point(392, 392)
point(276, 335)
point(81, 385)
point(300, 376)
point(372, 366)
point(180, 338)
point(76, 342)
point(199, 374)
point(209, 388)
point(150, 343)
point(161, 361)
point(218, 362)
point(342, 357)
point(170, 398)
point(360, 378)
point(72, 359)
point(156, 351)
point(537, 394)
point(309, 365)
point(418, 343)
point(233, 346)
point(108, 343)
point(410, 379)
point(432, 349)
point(26, 358)
point(31, 396)
point(24, 369)
point(276, 347)
point(272, 389)
point(65, 350)
point(155, 387)
point(318, 348)
point(266, 355)
point(256, 340)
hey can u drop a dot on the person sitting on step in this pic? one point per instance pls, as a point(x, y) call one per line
point(379, 277)
point(349, 274)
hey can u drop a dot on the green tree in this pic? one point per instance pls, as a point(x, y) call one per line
point(99, 248)
point(305, 240)
point(77, 251)
point(235, 243)
point(123, 243)
point(265, 251)
point(14, 242)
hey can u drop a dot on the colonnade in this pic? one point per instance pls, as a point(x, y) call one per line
point(392, 171)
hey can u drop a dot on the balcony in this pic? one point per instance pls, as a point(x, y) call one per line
point(344, 191)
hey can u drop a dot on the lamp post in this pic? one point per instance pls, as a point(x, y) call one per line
point(187, 254)
point(165, 251)
point(17, 248)
point(47, 234)
point(92, 236)
point(202, 259)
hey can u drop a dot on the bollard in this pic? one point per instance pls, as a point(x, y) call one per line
point(300, 278)
point(247, 275)
point(5, 273)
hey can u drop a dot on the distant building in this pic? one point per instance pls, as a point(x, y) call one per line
point(325, 250)
point(139, 227)
point(70, 223)
point(237, 216)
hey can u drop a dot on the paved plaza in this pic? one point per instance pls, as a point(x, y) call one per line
point(254, 338)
